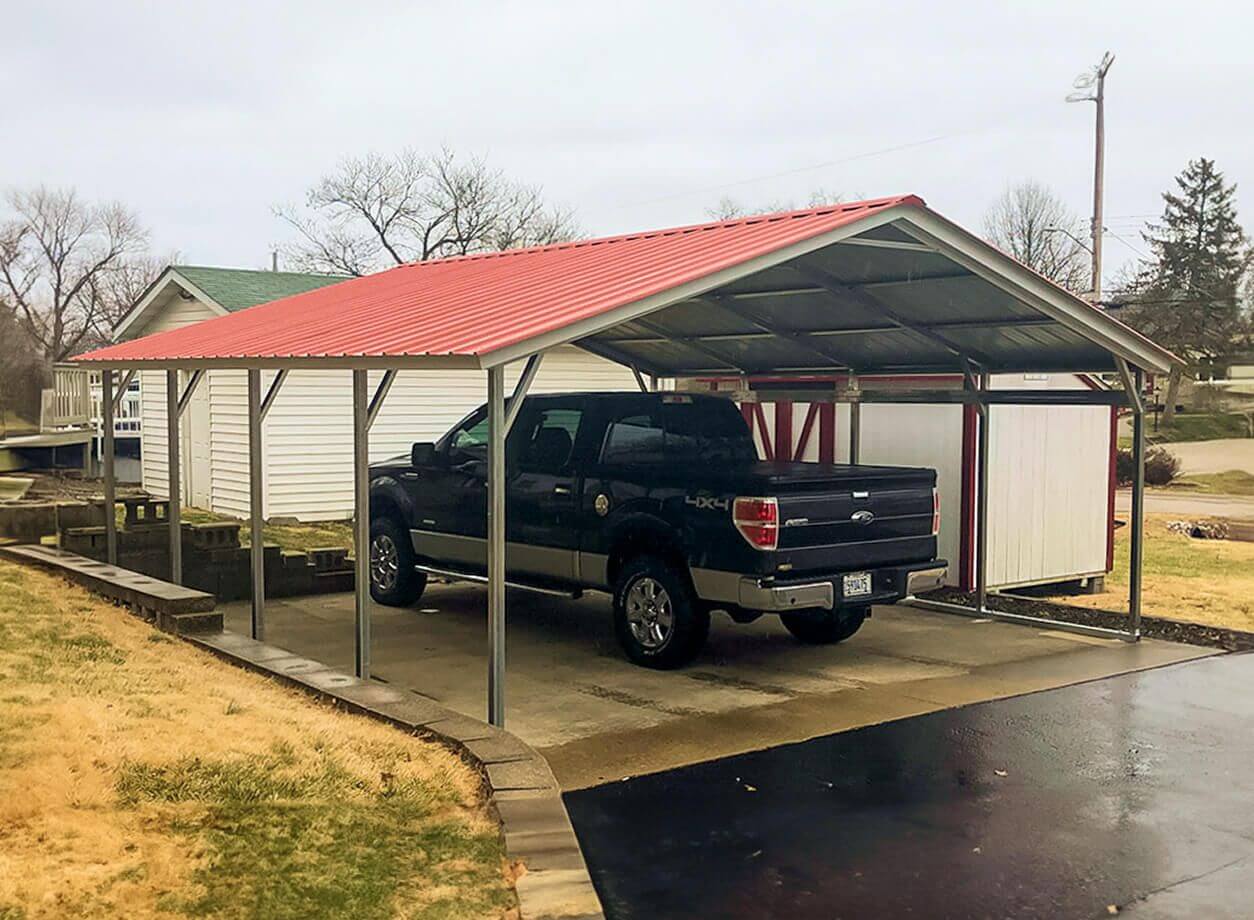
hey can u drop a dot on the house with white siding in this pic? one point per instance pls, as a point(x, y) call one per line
point(307, 441)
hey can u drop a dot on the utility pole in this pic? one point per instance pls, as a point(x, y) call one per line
point(1091, 87)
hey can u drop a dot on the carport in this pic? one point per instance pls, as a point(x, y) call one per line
point(882, 287)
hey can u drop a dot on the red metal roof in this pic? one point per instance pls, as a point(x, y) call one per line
point(476, 305)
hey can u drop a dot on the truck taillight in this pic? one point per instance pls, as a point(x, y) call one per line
point(757, 519)
point(935, 512)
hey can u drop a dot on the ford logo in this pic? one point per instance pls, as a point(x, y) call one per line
point(862, 517)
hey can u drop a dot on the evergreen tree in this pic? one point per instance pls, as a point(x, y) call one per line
point(1188, 296)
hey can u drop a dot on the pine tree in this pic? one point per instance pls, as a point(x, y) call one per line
point(1188, 296)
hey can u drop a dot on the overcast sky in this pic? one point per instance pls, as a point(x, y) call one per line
point(202, 117)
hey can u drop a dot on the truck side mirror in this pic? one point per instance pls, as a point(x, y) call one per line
point(422, 454)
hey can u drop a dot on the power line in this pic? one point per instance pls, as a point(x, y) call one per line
point(865, 155)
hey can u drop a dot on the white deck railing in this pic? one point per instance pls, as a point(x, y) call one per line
point(67, 403)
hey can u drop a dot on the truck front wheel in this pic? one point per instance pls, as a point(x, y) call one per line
point(656, 615)
point(393, 579)
point(824, 627)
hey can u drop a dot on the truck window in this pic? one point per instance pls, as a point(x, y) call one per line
point(550, 439)
point(705, 431)
point(471, 439)
point(633, 439)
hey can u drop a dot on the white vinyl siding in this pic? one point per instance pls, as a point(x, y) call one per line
point(309, 437)
point(228, 440)
point(153, 439)
point(177, 314)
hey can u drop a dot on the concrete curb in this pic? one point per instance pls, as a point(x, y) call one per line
point(536, 827)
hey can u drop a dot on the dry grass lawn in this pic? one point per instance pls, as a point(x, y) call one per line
point(140, 778)
point(1203, 581)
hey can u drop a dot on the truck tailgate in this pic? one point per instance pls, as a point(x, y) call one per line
point(854, 517)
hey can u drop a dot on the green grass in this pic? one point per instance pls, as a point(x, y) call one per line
point(1204, 581)
point(1232, 482)
point(287, 841)
point(163, 781)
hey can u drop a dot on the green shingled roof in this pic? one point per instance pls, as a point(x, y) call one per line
point(238, 288)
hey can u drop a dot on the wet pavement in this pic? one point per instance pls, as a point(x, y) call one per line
point(1135, 792)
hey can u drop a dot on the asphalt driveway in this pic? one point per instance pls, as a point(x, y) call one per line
point(1133, 794)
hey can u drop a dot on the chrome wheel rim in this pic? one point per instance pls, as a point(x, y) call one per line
point(650, 614)
point(384, 562)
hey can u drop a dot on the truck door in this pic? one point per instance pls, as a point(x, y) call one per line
point(543, 497)
point(451, 499)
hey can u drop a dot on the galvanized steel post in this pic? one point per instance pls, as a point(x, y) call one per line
point(255, 510)
point(173, 507)
point(361, 522)
point(855, 420)
point(981, 501)
point(110, 483)
point(496, 546)
point(1136, 538)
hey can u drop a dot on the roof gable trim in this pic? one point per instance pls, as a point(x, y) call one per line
point(156, 290)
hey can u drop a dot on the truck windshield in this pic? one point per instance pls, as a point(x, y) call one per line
point(707, 430)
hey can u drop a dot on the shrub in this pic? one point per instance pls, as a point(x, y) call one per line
point(1161, 467)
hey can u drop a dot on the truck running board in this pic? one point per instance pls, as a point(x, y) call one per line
point(483, 580)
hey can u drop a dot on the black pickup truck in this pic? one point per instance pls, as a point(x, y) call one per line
point(660, 499)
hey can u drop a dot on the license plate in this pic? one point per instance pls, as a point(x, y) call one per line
point(856, 584)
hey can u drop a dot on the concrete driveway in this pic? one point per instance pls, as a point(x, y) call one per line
point(598, 718)
point(1218, 456)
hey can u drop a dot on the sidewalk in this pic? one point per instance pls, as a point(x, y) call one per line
point(1240, 507)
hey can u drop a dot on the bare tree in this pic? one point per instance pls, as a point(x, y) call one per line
point(375, 210)
point(120, 288)
point(729, 208)
point(1032, 224)
point(59, 258)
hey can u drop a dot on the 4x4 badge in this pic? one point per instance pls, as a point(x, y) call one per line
point(602, 504)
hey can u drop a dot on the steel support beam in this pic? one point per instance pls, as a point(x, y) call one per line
point(981, 501)
point(110, 479)
point(1019, 619)
point(635, 372)
point(946, 396)
point(798, 337)
point(496, 546)
point(1136, 537)
point(361, 522)
point(272, 392)
point(255, 510)
point(694, 343)
point(855, 421)
point(515, 403)
point(120, 393)
point(174, 506)
point(870, 302)
point(606, 350)
point(380, 394)
point(189, 391)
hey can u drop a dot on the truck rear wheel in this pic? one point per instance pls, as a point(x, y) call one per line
point(825, 627)
point(656, 615)
point(393, 579)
